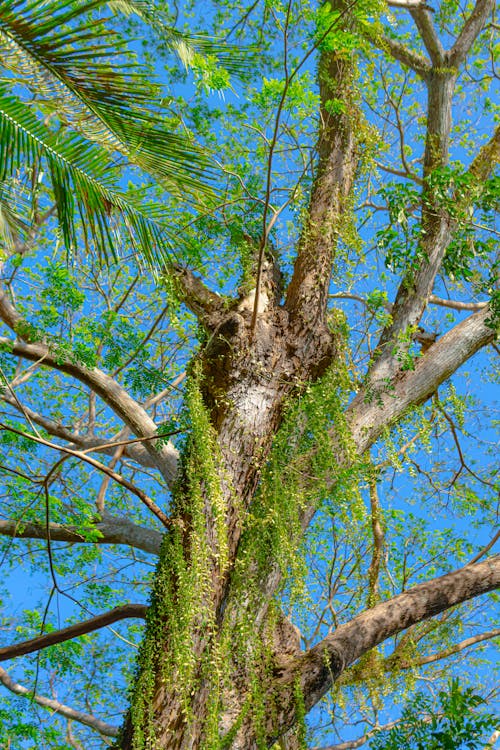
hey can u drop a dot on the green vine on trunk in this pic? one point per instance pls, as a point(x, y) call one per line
point(181, 602)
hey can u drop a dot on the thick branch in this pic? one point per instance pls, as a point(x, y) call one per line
point(208, 306)
point(423, 21)
point(73, 631)
point(107, 730)
point(401, 53)
point(371, 412)
point(112, 530)
point(337, 151)
point(471, 30)
point(318, 668)
point(164, 457)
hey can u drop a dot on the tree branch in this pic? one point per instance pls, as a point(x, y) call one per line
point(425, 26)
point(378, 543)
point(148, 502)
point(112, 530)
point(401, 53)
point(360, 741)
point(488, 157)
point(407, 4)
point(107, 730)
point(337, 149)
point(135, 450)
point(372, 410)
point(486, 548)
point(323, 664)
point(164, 456)
point(455, 304)
point(73, 631)
point(208, 306)
point(471, 30)
point(467, 643)
point(416, 287)
point(433, 300)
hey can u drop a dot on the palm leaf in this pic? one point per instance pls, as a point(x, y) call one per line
point(82, 182)
point(230, 57)
point(76, 62)
point(14, 225)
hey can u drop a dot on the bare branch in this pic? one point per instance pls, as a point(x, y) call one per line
point(107, 730)
point(467, 643)
point(148, 502)
point(407, 4)
point(112, 530)
point(494, 737)
point(360, 741)
point(124, 612)
point(471, 30)
point(486, 548)
point(101, 495)
point(455, 304)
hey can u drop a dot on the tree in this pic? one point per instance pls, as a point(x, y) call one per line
point(239, 385)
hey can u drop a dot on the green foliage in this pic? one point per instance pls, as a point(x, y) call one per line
point(400, 237)
point(458, 721)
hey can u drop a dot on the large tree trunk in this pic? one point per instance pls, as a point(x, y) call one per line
point(247, 370)
point(245, 377)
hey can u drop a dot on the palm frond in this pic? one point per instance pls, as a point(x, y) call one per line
point(83, 71)
point(236, 61)
point(14, 222)
point(82, 183)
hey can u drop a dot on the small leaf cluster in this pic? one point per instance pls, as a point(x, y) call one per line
point(458, 722)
